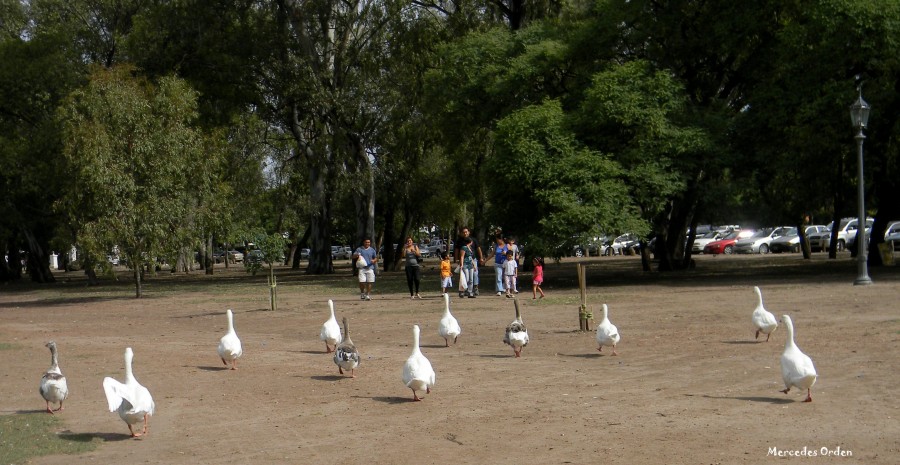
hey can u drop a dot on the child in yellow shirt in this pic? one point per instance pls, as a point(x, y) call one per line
point(446, 279)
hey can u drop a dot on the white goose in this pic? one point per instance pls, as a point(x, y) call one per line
point(516, 335)
point(797, 368)
point(331, 332)
point(130, 399)
point(346, 355)
point(449, 327)
point(417, 372)
point(763, 321)
point(53, 383)
point(230, 345)
point(607, 333)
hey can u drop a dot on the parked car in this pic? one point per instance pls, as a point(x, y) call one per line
point(254, 256)
point(790, 241)
point(892, 234)
point(434, 248)
point(725, 245)
point(304, 254)
point(701, 241)
point(625, 244)
point(596, 246)
point(234, 256)
point(759, 242)
point(344, 253)
point(846, 228)
point(851, 236)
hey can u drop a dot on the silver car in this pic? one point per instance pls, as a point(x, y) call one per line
point(759, 242)
point(790, 242)
point(846, 228)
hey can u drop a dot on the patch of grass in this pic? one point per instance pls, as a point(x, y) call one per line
point(9, 346)
point(27, 435)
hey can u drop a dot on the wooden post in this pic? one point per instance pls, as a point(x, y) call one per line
point(273, 295)
point(585, 317)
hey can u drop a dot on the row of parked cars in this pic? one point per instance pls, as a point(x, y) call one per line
point(787, 238)
point(625, 244)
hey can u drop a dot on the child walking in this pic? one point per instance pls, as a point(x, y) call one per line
point(446, 275)
point(538, 278)
point(510, 272)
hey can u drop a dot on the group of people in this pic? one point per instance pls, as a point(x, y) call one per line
point(469, 258)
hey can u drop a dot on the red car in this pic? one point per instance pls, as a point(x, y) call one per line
point(726, 244)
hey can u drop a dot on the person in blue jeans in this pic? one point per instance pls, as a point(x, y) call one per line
point(500, 250)
point(468, 264)
point(476, 250)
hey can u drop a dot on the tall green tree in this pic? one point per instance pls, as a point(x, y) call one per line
point(138, 166)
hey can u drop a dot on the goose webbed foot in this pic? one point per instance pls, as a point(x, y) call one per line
point(415, 397)
point(757, 335)
point(808, 396)
point(49, 409)
point(614, 351)
point(785, 390)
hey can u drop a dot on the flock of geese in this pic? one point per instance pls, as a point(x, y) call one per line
point(134, 403)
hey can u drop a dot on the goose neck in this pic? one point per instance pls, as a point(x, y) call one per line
point(789, 340)
point(129, 374)
point(54, 358)
point(416, 340)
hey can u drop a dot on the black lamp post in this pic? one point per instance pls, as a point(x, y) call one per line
point(859, 115)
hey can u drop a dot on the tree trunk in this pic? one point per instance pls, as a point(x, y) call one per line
point(301, 243)
point(319, 222)
point(836, 214)
point(89, 265)
point(835, 224)
point(804, 241)
point(390, 214)
point(645, 256)
point(363, 189)
point(207, 255)
point(38, 261)
point(137, 278)
point(11, 269)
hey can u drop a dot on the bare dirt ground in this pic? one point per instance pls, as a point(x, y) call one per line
point(690, 384)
